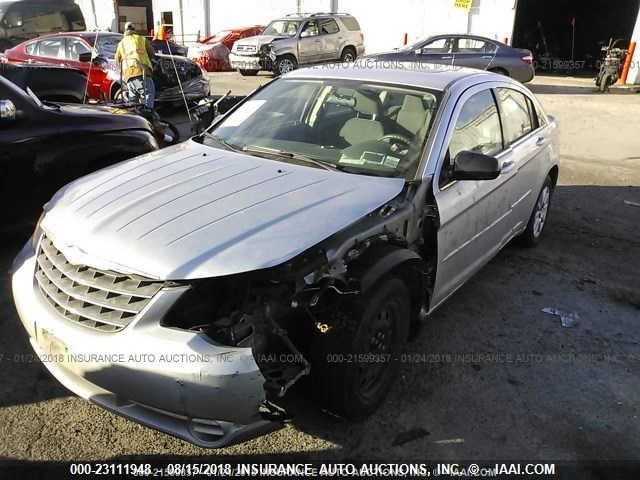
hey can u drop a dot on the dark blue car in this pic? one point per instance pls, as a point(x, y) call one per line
point(466, 51)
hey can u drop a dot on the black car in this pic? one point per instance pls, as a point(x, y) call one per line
point(459, 50)
point(43, 146)
point(48, 82)
point(169, 47)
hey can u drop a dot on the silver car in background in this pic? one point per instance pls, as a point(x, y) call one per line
point(470, 51)
point(299, 39)
point(190, 288)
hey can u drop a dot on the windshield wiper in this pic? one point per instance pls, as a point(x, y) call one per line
point(290, 155)
point(222, 142)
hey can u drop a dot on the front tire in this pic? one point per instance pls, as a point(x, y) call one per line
point(533, 233)
point(355, 363)
point(285, 64)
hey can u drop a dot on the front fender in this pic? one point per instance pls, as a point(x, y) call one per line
point(380, 261)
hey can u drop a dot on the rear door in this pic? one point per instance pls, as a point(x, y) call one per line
point(475, 53)
point(474, 215)
point(331, 39)
point(525, 137)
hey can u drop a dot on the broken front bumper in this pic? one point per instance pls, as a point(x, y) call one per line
point(176, 381)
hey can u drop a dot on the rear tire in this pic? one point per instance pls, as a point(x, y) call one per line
point(247, 73)
point(348, 55)
point(355, 363)
point(533, 233)
point(604, 83)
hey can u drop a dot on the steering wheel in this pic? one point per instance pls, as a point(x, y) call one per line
point(396, 136)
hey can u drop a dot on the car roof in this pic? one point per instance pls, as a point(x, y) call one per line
point(416, 74)
point(466, 35)
point(85, 35)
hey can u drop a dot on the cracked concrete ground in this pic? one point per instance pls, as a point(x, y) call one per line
point(491, 376)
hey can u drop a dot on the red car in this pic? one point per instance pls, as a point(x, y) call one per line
point(212, 53)
point(65, 49)
point(75, 50)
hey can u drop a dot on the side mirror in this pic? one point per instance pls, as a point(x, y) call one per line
point(7, 111)
point(85, 57)
point(475, 166)
point(418, 51)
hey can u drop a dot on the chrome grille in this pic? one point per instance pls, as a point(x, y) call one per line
point(98, 299)
point(246, 48)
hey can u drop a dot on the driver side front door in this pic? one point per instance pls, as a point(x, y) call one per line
point(439, 50)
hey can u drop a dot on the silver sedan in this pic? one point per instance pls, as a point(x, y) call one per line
point(190, 288)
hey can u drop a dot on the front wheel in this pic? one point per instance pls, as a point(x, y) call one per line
point(604, 83)
point(537, 221)
point(355, 363)
point(284, 65)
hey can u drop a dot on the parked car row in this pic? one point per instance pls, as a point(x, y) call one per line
point(94, 54)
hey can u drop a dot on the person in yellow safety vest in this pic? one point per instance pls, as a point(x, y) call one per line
point(135, 53)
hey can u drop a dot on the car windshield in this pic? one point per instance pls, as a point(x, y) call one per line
point(359, 127)
point(282, 28)
point(107, 44)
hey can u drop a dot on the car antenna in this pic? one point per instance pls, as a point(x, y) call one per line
point(175, 69)
point(86, 85)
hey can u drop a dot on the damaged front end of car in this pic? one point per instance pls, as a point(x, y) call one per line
point(282, 313)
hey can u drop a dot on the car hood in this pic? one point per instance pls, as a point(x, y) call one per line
point(256, 41)
point(102, 118)
point(193, 211)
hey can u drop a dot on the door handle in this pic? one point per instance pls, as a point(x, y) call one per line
point(507, 166)
point(540, 141)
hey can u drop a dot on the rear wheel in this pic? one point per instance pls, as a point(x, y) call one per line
point(533, 233)
point(247, 73)
point(355, 364)
point(348, 55)
point(604, 82)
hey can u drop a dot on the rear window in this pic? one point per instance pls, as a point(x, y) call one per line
point(328, 26)
point(351, 23)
